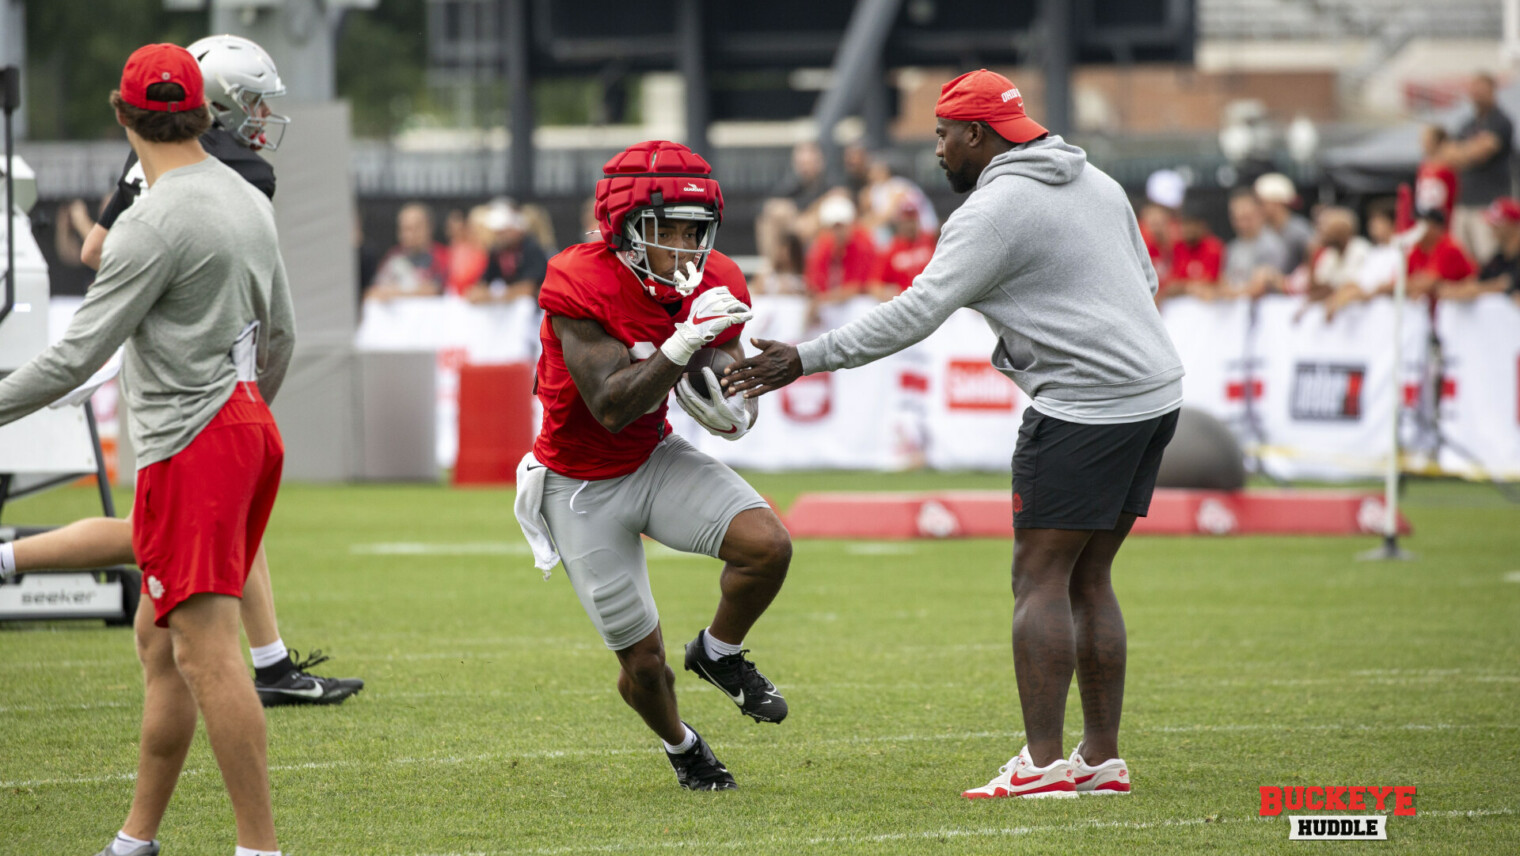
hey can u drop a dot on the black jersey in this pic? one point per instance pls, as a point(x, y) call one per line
point(220, 144)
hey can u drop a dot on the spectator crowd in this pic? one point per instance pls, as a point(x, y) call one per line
point(867, 237)
point(497, 252)
point(1458, 215)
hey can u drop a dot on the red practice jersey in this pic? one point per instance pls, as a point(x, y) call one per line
point(588, 282)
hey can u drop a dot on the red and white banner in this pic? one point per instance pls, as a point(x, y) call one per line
point(1480, 394)
point(1311, 397)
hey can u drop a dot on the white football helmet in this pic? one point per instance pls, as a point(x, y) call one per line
point(239, 76)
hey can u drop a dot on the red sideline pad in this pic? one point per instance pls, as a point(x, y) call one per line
point(495, 422)
point(989, 513)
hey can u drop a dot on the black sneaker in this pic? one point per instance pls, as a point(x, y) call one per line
point(697, 769)
point(295, 686)
point(755, 695)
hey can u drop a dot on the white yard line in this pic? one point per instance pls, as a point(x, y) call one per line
point(452, 548)
point(576, 752)
point(774, 841)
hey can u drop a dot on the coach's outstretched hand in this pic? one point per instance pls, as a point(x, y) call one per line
point(777, 365)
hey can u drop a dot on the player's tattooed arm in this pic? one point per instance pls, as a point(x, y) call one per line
point(616, 389)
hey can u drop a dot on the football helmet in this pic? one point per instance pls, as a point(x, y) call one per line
point(239, 78)
point(649, 182)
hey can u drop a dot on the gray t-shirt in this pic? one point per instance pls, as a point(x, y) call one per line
point(1243, 256)
point(1489, 180)
point(183, 274)
point(1297, 233)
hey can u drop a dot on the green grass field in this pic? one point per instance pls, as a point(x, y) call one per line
point(491, 725)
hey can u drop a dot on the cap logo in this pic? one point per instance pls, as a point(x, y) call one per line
point(1010, 95)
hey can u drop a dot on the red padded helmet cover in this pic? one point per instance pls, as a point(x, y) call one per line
point(652, 174)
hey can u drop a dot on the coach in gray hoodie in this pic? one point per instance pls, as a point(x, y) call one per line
point(1048, 251)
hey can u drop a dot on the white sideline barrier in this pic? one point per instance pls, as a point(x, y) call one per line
point(1310, 396)
point(458, 332)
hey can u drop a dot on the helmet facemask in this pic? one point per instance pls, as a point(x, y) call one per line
point(252, 122)
point(641, 234)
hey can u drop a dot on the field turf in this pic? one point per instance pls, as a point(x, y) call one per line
point(490, 724)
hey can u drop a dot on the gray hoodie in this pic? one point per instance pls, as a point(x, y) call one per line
point(1047, 249)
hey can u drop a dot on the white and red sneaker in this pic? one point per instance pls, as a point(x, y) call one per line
point(1021, 778)
point(1107, 779)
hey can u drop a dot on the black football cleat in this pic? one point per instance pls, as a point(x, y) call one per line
point(296, 686)
point(755, 695)
point(697, 769)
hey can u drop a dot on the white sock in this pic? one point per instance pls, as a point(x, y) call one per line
point(249, 851)
point(716, 649)
point(684, 745)
point(7, 560)
point(125, 843)
point(267, 655)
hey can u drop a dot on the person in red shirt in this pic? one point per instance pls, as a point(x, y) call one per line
point(1437, 260)
point(1160, 228)
point(906, 257)
point(623, 318)
point(1435, 182)
point(842, 260)
point(1197, 260)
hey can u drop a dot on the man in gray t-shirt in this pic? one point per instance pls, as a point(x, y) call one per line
point(1254, 261)
point(192, 282)
point(1481, 152)
point(1278, 196)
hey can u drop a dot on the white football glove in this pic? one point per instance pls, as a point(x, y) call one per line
point(711, 313)
point(727, 417)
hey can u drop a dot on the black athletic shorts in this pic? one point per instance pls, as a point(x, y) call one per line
point(1072, 476)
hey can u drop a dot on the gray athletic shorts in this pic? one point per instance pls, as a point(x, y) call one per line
point(679, 497)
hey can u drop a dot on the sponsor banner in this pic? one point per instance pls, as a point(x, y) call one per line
point(972, 410)
point(1328, 387)
point(1346, 827)
point(76, 595)
point(1480, 394)
point(1211, 339)
point(1313, 397)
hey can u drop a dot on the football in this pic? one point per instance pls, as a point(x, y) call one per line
point(709, 357)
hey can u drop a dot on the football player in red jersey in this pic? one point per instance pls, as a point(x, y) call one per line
point(623, 317)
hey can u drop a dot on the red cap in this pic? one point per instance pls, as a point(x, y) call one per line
point(1503, 211)
point(986, 96)
point(162, 64)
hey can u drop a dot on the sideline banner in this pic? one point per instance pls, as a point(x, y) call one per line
point(1480, 395)
point(458, 332)
point(1310, 396)
point(1327, 387)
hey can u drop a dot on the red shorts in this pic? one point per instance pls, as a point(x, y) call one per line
point(199, 515)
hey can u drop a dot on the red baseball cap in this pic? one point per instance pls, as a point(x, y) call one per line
point(1503, 211)
point(986, 96)
point(162, 63)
